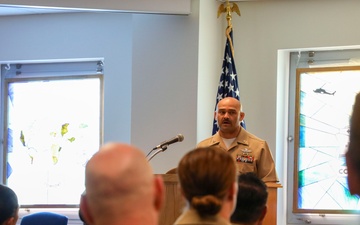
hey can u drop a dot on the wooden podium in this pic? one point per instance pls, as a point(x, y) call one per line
point(270, 218)
point(174, 202)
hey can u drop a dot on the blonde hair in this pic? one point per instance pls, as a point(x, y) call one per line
point(206, 175)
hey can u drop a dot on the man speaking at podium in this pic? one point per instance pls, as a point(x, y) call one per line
point(251, 153)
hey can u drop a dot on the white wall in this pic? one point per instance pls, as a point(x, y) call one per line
point(164, 90)
point(211, 51)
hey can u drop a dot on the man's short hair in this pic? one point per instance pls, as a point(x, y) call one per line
point(8, 203)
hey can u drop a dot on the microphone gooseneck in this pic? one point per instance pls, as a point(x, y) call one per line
point(177, 138)
point(163, 145)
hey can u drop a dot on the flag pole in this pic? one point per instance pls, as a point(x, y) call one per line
point(228, 85)
point(227, 8)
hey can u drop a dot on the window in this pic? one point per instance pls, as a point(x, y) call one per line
point(321, 91)
point(324, 101)
point(53, 125)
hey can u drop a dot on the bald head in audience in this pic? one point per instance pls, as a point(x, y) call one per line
point(353, 153)
point(121, 188)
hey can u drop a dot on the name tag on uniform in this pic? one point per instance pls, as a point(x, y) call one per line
point(245, 157)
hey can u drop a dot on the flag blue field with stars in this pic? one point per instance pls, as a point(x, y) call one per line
point(228, 85)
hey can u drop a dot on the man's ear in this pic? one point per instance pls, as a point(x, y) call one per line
point(263, 214)
point(84, 213)
point(159, 192)
point(233, 191)
point(10, 221)
point(242, 116)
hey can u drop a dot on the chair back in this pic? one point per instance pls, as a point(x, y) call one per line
point(44, 218)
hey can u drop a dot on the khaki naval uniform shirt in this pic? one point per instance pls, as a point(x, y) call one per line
point(251, 154)
point(191, 217)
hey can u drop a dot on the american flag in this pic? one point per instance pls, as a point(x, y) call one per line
point(228, 85)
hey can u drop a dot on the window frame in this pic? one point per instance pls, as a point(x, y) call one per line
point(68, 69)
point(289, 61)
point(300, 71)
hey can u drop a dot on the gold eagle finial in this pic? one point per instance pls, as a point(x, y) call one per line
point(227, 8)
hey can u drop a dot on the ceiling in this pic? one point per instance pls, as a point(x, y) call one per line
point(15, 10)
point(12, 10)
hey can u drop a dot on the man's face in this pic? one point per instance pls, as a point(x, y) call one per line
point(228, 115)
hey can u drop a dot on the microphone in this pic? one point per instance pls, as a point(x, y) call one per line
point(177, 138)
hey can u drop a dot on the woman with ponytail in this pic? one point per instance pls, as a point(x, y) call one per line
point(208, 182)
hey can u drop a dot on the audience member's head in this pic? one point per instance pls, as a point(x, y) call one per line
point(207, 178)
point(9, 206)
point(353, 153)
point(121, 188)
point(251, 200)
